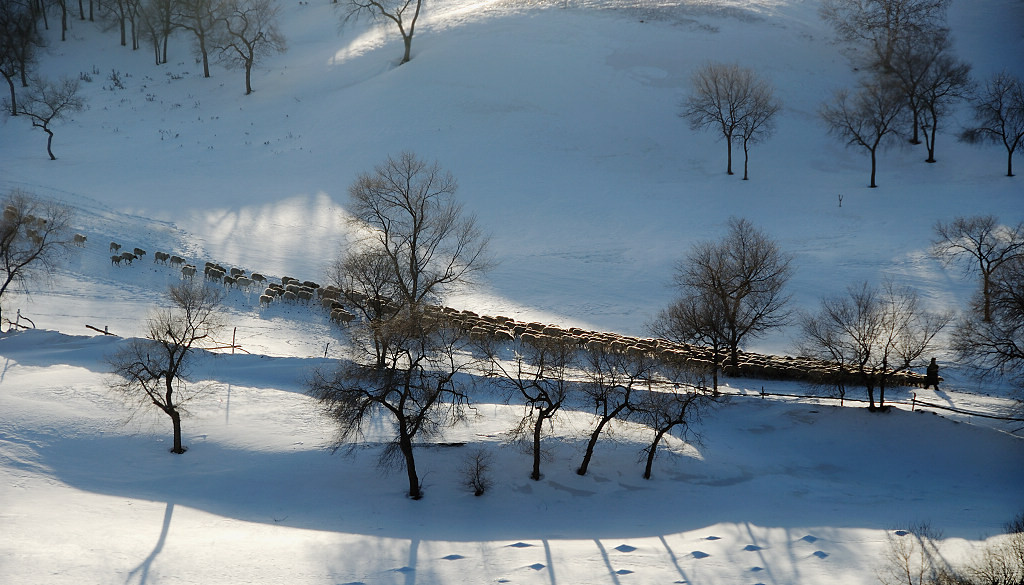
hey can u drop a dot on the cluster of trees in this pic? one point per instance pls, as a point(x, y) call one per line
point(410, 365)
point(911, 83)
point(237, 33)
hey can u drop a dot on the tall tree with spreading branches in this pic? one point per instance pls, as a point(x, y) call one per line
point(154, 372)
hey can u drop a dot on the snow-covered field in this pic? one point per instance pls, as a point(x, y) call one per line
point(560, 121)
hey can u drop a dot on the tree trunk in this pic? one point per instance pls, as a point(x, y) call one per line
point(728, 147)
point(14, 95)
point(871, 396)
point(248, 76)
point(650, 453)
point(593, 440)
point(49, 142)
point(405, 443)
point(1009, 164)
point(873, 185)
point(537, 428)
point(408, 49)
point(986, 295)
point(746, 158)
point(176, 423)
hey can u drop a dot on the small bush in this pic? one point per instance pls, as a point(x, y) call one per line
point(476, 471)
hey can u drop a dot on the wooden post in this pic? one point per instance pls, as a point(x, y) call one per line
point(913, 402)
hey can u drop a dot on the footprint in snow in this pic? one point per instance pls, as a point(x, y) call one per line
point(405, 570)
point(700, 555)
point(520, 545)
point(751, 547)
point(625, 548)
point(810, 538)
point(537, 566)
point(820, 554)
point(713, 538)
point(756, 569)
point(623, 572)
point(453, 557)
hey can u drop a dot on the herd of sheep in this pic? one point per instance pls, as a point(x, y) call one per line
point(329, 298)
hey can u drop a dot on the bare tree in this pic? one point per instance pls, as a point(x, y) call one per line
point(403, 13)
point(417, 388)
point(248, 35)
point(198, 17)
point(19, 41)
point(155, 17)
point(984, 243)
point(869, 118)
point(46, 102)
point(154, 371)
point(610, 378)
point(875, 333)
point(673, 409)
point(698, 317)
point(995, 348)
point(880, 25)
point(535, 370)
point(34, 237)
point(734, 101)
point(734, 287)
point(416, 243)
point(999, 115)
point(947, 82)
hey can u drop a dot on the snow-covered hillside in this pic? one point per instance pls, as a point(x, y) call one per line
point(560, 122)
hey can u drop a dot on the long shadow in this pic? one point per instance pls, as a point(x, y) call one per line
point(142, 571)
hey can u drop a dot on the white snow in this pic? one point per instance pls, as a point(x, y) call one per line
point(560, 122)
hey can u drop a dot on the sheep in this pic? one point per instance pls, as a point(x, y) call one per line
point(265, 300)
point(114, 246)
point(305, 296)
point(271, 292)
point(79, 240)
point(139, 252)
point(289, 296)
point(257, 277)
point(115, 260)
point(327, 303)
point(177, 260)
point(341, 316)
point(188, 271)
point(242, 282)
point(228, 280)
point(236, 272)
point(162, 257)
point(128, 257)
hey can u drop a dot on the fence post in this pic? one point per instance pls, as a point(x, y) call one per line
point(233, 331)
point(913, 402)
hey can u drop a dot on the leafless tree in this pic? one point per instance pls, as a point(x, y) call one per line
point(155, 19)
point(249, 33)
point(154, 371)
point(609, 380)
point(19, 41)
point(880, 25)
point(403, 13)
point(869, 118)
point(995, 348)
point(874, 332)
point(999, 115)
point(734, 101)
point(698, 317)
point(733, 288)
point(417, 241)
point(418, 389)
point(536, 371)
point(675, 409)
point(46, 102)
point(198, 17)
point(984, 243)
point(34, 237)
point(947, 82)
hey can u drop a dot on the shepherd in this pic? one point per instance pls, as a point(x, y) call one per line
point(931, 376)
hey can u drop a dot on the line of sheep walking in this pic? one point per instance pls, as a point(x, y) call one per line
point(500, 328)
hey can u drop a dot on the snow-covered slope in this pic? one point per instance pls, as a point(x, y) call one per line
point(560, 122)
